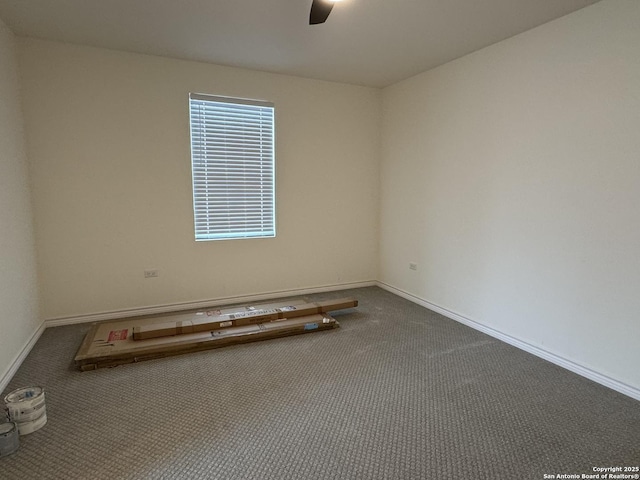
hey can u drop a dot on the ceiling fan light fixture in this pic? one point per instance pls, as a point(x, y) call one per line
point(320, 10)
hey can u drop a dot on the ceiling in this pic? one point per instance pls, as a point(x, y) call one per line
point(365, 42)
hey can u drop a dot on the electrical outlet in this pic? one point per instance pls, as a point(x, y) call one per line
point(413, 266)
point(151, 273)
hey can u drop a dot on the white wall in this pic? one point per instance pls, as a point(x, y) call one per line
point(19, 318)
point(108, 137)
point(512, 177)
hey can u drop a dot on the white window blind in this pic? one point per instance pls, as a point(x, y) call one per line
point(232, 164)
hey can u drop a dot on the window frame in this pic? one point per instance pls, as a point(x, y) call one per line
point(253, 156)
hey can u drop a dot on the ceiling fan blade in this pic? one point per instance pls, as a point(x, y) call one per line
point(320, 10)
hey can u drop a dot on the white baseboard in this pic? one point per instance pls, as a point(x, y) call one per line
point(538, 352)
point(175, 307)
point(17, 361)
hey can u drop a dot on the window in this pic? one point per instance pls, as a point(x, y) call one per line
point(233, 167)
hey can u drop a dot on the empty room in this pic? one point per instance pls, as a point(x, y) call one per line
point(314, 239)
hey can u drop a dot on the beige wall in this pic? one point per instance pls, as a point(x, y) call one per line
point(19, 318)
point(109, 147)
point(512, 177)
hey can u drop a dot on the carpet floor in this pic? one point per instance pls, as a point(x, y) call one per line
point(398, 392)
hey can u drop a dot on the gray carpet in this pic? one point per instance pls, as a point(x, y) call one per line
point(398, 392)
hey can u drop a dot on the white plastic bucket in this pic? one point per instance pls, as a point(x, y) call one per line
point(26, 407)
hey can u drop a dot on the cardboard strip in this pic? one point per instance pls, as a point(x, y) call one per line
point(97, 352)
point(185, 318)
point(215, 320)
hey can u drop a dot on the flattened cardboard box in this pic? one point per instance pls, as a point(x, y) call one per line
point(217, 319)
point(110, 344)
point(173, 319)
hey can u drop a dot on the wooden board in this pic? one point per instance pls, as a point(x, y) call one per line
point(111, 343)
